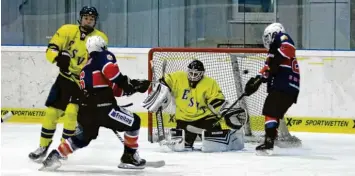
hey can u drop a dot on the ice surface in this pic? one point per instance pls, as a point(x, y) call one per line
point(321, 155)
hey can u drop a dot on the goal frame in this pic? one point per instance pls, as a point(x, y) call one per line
point(205, 50)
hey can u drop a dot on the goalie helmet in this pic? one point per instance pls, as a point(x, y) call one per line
point(270, 32)
point(91, 11)
point(95, 44)
point(196, 70)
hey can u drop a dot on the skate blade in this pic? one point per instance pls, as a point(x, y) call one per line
point(264, 152)
point(51, 168)
point(54, 166)
point(155, 164)
point(129, 166)
point(38, 160)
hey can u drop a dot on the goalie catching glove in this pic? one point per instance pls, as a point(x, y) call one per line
point(234, 117)
point(160, 97)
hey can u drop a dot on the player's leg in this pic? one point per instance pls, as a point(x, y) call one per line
point(189, 136)
point(120, 119)
point(88, 129)
point(56, 104)
point(72, 91)
point(275, 106)
point(70, 121)
point(216, 139)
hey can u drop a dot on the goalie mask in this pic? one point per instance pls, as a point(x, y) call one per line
point(196, 70)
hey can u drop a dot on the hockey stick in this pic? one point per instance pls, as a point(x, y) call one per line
point(159, 113)
point(126, 105)
point(230, 107)
point(6, 116)
point(153, 164)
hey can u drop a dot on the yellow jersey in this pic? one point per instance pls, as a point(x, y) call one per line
point(193, 103)
point(69, 38)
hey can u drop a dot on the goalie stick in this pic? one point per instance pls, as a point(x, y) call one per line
point(159, 114)
point(257, 81)
point(153, 164)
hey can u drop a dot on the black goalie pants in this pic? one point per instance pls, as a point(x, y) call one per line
point(206, 123)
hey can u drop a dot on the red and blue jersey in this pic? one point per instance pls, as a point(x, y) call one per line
point(100, 72)
point(282, 64)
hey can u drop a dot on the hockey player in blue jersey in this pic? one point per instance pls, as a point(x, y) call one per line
point(101, 81)
point(281, 73)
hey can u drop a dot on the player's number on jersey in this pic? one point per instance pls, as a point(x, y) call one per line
point(82, 82)
point(295, 67)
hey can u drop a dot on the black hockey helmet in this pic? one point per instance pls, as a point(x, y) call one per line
point(196, 70)
point(86, 10)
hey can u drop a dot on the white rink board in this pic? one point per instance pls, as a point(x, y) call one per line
point(327, 79)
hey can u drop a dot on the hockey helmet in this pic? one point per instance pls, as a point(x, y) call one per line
point(95, 44)
point(270, 32)
point(86, 10)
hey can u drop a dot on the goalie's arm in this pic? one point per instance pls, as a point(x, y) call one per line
point(215, 98)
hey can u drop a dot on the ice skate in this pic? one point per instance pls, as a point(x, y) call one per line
point(39, 154)
point(266, 148)
point(131, 161)
point(52, 162)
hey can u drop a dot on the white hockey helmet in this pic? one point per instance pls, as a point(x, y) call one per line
point(95, 43)
point(269, 33)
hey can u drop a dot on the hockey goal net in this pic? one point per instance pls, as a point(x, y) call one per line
point(231, 68)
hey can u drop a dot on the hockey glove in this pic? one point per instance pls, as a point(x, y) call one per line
point(235, 118)
point(253, 85)
point(140, 85)
point(63, 61)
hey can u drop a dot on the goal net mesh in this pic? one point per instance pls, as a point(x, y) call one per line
point(231, 68)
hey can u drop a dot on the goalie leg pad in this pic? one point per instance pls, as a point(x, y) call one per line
point(223, 140)
point(175, 140)
point(160, 97)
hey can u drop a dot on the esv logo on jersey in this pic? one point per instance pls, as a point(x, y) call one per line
point(191, 100)
point(121, 117)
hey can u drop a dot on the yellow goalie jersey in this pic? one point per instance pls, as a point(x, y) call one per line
point(69, 38)
point(194, 103)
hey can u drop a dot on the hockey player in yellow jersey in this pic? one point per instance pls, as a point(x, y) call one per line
point(199, 101)
point(67, 50)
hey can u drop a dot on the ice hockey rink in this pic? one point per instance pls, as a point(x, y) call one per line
point(321, 155)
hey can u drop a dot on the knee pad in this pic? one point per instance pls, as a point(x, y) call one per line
point(52, 115)
point(71, 112)
point(70, 120)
